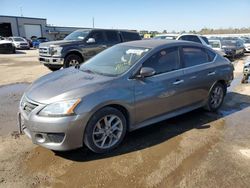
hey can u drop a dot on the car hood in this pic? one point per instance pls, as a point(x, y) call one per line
point(5, 42)
point(65, 84)
point(59, 43)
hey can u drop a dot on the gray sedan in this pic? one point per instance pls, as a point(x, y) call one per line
point(126, 87)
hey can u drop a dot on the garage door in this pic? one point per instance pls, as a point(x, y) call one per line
point(32, 30)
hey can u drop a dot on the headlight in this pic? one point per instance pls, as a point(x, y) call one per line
point(62, 108)
point(55, 50)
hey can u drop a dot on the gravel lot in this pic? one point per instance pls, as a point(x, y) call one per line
point(198, 149)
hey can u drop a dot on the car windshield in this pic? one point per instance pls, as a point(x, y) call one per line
point(114, 61)
point(77, 35)
point(18, 39)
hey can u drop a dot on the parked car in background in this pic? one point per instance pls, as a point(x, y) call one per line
point(246, 72)
point(246, 44)
point(126, 87)
point(166, 36)
point(19, 42)
point(81, 45)
point(232, 47)
point(6, 46)
point(29, 41)
point(216, 45)
point(194, 38)
point(37, 41)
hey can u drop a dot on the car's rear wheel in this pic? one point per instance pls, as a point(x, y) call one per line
point(216, 97)
point(105, 130)
point(72, 60)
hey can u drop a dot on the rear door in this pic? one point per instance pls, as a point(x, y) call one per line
point(199, 72)
point(112, 37)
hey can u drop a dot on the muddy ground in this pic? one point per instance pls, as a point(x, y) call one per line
point(197, 149)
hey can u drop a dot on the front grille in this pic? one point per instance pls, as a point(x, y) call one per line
point(43, 51)
point(27, 105)
point(25, 44)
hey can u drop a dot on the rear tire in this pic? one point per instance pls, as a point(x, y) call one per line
point(216, 97)
point(105, 130)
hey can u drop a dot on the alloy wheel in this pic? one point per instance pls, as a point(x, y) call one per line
point(107, 131)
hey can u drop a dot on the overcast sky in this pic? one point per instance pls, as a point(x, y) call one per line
point(135, 14)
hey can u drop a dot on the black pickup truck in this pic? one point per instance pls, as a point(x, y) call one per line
point(81, 45)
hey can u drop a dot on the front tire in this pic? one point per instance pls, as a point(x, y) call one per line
point(105, 130)
point(72, 60)
point(216, 97)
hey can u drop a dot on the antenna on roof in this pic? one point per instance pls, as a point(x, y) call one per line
point(21, 11)
point(93, 22)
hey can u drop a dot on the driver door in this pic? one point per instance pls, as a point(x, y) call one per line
point(90, 49)
point(162, 92)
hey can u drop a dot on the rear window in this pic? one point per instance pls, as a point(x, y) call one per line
point(130, 36)
point(211, 55)
point(112, 36)
point(193, 56)
point(190, 38)
point(205, 39)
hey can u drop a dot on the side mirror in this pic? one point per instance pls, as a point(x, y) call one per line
point(90, 41)
point(146, 72)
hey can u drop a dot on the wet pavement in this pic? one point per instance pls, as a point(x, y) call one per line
point(197, 149)
point(10, 96)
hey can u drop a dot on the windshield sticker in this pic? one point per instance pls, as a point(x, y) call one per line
point(136, 51)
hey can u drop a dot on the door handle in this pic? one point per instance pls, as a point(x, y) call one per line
point(211, 73)
point(104, 46)
point(177, 82)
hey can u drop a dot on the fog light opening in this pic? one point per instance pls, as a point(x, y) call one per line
point(40, 138)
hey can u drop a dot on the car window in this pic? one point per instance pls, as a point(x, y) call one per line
point(98, 36)
point(112, 36)
point(130, 36)
point(205, 39)
point(211, 55)
point(190, 38)
point(165, 60)
point(194, 56)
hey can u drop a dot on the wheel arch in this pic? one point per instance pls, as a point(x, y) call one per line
point(119, 107)
point(74, 52)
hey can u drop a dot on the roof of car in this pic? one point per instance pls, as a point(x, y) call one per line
point(156, 43)
point(99, 29)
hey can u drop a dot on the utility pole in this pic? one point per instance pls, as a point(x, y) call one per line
point(21, 11)
point(93, 22)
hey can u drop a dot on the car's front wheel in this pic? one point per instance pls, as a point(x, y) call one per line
point(72, 60)
point(105, 130)
point(216, 97)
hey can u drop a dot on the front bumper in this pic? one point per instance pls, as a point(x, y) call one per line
point(55, 133)
point(51, 60)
